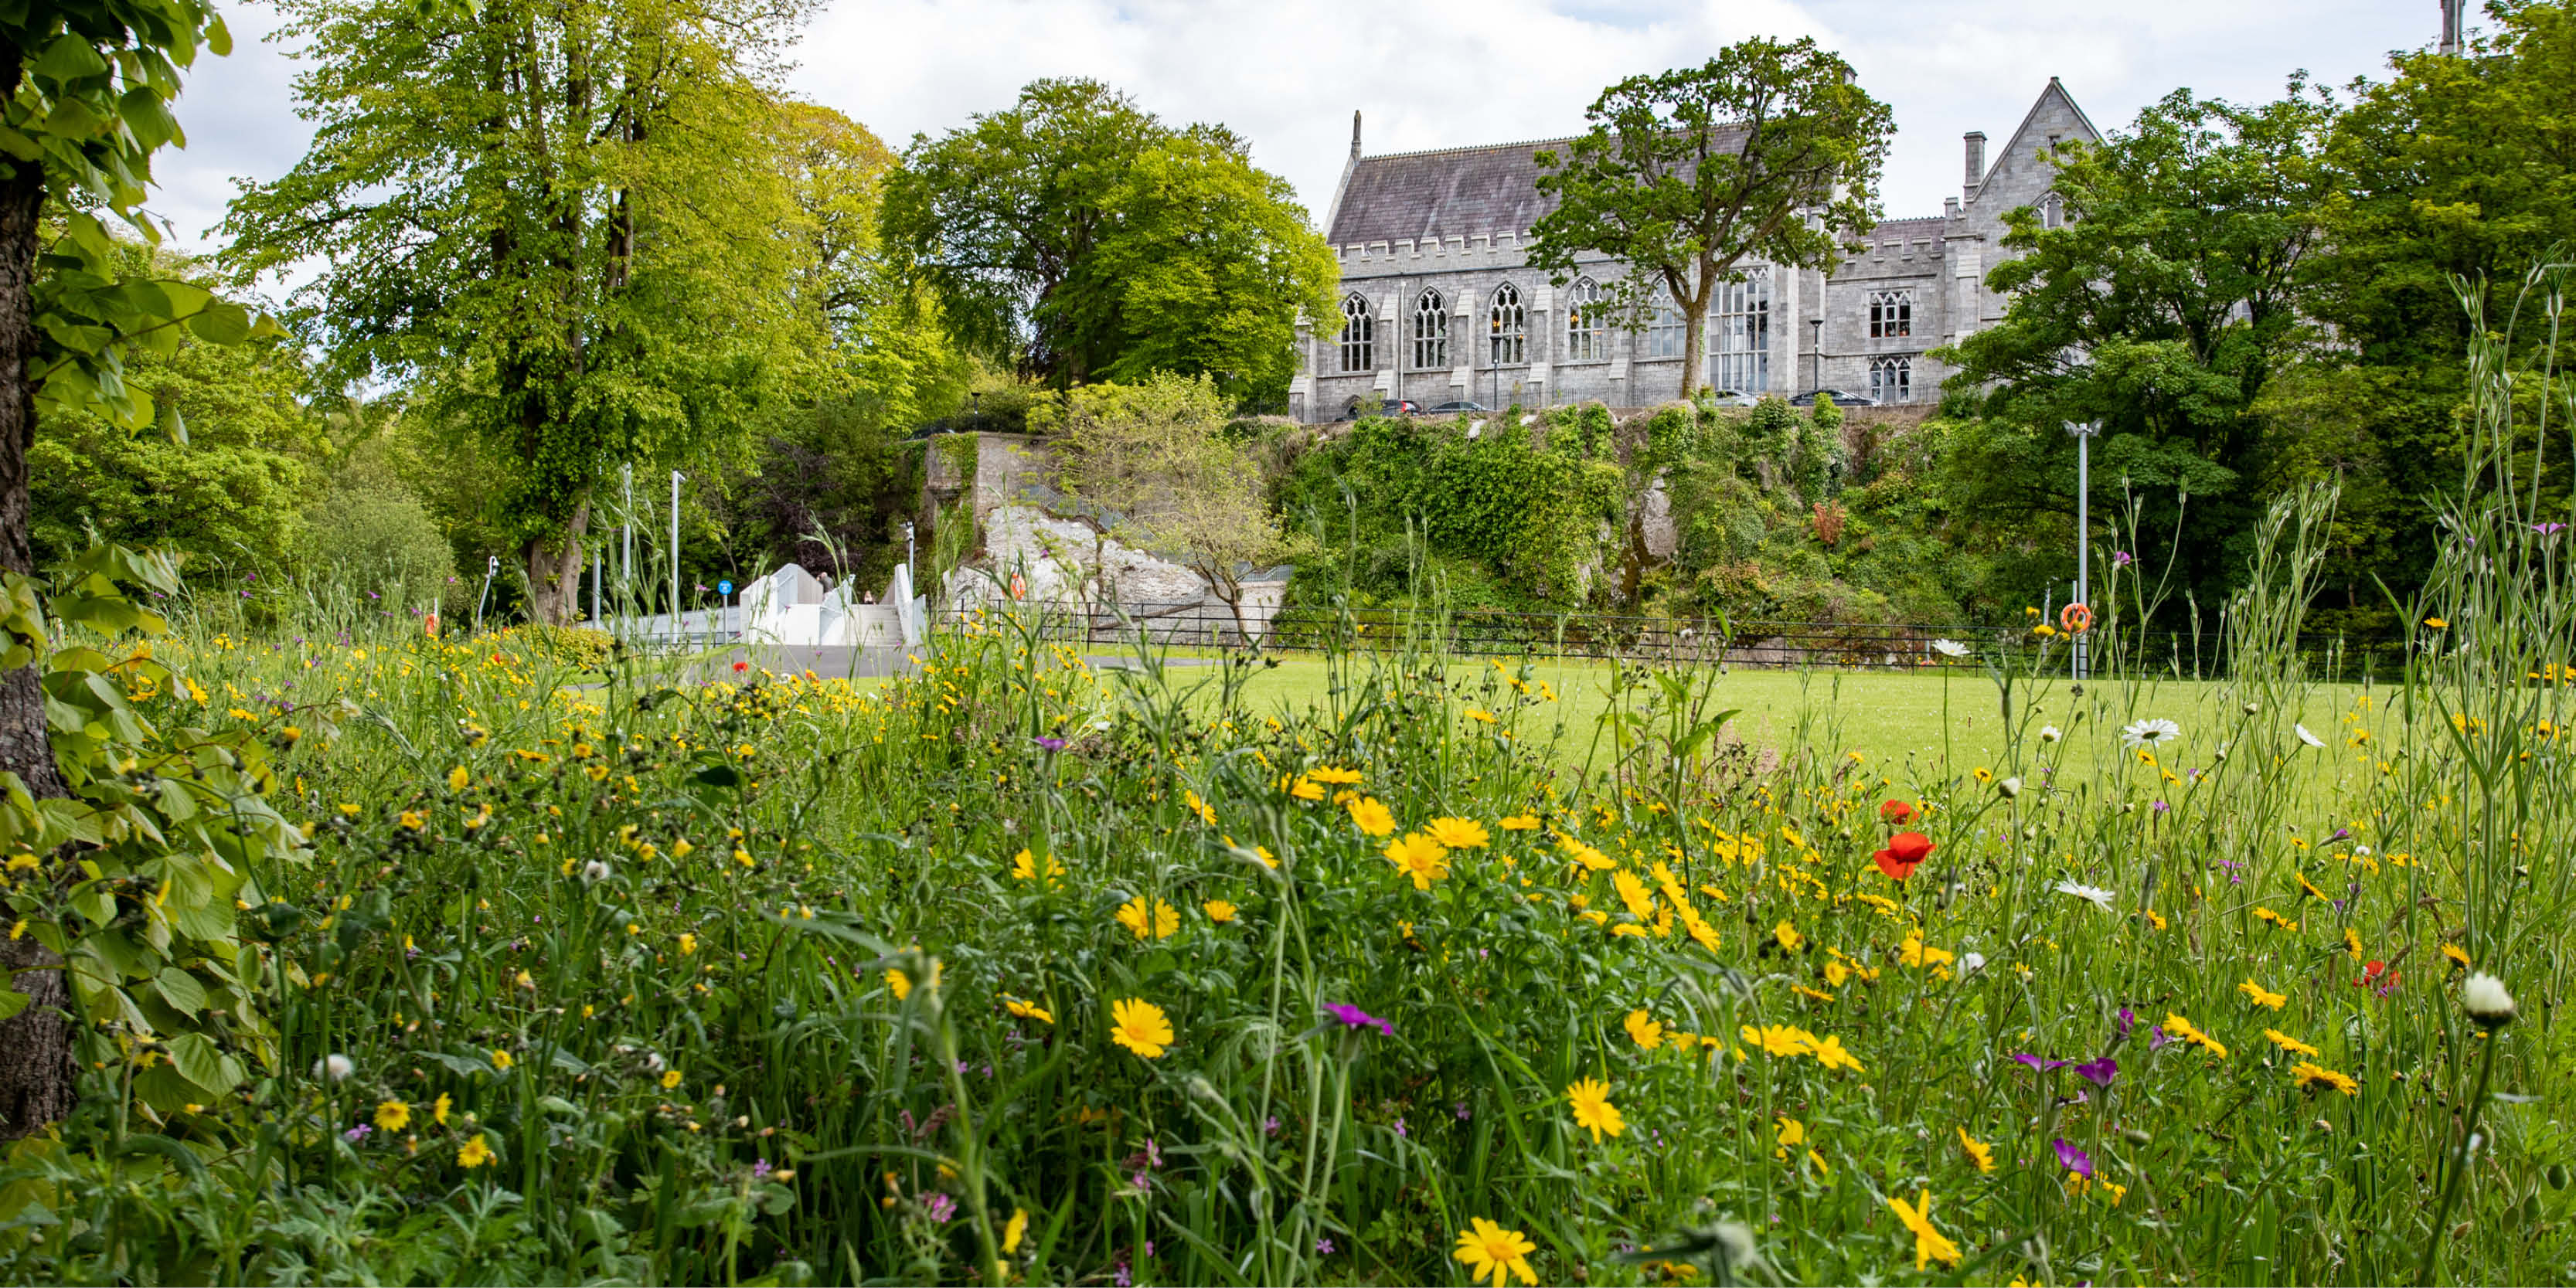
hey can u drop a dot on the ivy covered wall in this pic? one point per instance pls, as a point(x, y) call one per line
point(1766, 513)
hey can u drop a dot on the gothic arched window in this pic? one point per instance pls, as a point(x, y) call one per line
point(1507, 327)
point(1891, 314)
point(1891, 380)
point(1430, 331)
point(1585, 335)
point(1359, 335)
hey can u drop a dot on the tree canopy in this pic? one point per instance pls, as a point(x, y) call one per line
point(1770, 150)
point(557, 222)
point(2160, 309)
point(1080, 238)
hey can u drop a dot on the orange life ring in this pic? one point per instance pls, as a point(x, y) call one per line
point(2076, 618)
point(430, 626)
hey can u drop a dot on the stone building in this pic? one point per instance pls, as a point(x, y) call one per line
point(1438, 303)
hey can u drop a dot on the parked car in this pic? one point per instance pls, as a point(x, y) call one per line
point(1454, 408)
point(1732, 398)
point(1396, 407)
point(1841, 397)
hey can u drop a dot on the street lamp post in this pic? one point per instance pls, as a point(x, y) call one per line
point(676, 476)
point(1815, 354)
point(2084, 433)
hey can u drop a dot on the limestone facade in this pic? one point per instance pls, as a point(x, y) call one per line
point(1438, 303)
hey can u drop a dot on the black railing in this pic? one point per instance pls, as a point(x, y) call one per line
point(1878, 645)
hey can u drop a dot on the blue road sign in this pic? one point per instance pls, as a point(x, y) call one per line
point(724, 588)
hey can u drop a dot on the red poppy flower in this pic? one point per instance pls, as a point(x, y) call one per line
point(2376, 974)
point(740, 667)
point(1904, 852)
point(1895, 812)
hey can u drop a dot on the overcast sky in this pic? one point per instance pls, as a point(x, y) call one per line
point(1436, 73)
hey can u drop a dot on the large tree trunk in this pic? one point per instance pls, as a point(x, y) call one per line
point(1694, 339)
point(554, 572)
point(35, 1044)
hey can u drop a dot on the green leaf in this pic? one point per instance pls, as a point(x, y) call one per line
point(69, 57)
point(147, 116)
point(169, 1148)
point(180, 989)
point(221, 322)
point(203, 1063)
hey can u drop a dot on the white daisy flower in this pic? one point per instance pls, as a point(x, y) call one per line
point(1949, 648)
point(2049, 733)
point(2149, 733)
point(2306, 737)
point(2096, 895)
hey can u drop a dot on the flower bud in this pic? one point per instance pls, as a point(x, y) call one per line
point(2487, 1001)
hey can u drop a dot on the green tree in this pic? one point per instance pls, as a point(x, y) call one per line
point(368, 529)
point(2456, 167)
point(1155, 458)
point(892, 361)
point(557, 223)
point(1081, 238)
point(224, 488)
point(2160, 309)
point(1769, 151)
point(87, 88)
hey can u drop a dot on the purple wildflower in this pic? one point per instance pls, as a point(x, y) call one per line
point(2037, 1064)
point(2128, 1021)
point(2073, 1159)
point(1324, 1246)
point(760, 1170)
point(2160, 807)
point(1123, 1279)
point(2157, 1037)
point(1400, 1132)
point(358, 1135)
point(2099, 1072)
point(2122, 558)
point(1050, 744)
point(1353, 1017)
point(1463, 1115)
point(943, 1207)
point(1270, 1125)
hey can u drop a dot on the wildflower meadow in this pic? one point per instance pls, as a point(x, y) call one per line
point(582, 963)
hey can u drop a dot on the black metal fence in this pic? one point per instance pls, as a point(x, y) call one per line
point(1886, 646)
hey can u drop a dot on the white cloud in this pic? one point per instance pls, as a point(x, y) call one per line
point(1435, 73)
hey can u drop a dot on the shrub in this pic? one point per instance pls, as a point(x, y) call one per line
point(372, 533)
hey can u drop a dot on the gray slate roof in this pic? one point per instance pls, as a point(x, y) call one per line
point(1454, 192)
point(1915, 229)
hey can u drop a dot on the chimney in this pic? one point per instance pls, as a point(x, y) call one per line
point(2452, 35)
point(1976, 141)
point(1355, 133)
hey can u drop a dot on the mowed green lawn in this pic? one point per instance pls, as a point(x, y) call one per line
point(1915, 727)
